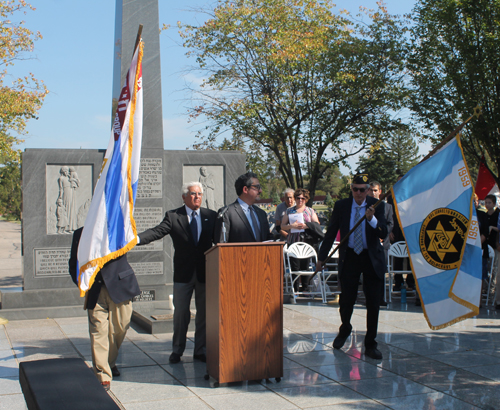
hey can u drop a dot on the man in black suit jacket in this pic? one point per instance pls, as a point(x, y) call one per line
point(241, 221)
point(191, 238)
point(109, 307)
point(362, 253)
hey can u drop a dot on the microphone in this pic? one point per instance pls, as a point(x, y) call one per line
point(222, 211)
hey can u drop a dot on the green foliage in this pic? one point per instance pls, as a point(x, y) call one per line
point(331, 181)
point(21, 99)
point(10, 190)
point(297, 80)
point(395, 154)
point(276, 198)
point(455, 66)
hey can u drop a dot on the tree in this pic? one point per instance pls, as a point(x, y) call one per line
point(10, 190)
point(21, 99)
point(455, 65)
point(331, 182)
point(298, 80)
point(395, 154)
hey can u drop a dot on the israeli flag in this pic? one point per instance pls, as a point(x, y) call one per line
point(110, 229)
point(434, 205)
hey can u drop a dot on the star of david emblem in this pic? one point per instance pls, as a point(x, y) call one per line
point(441, 241)
point(442, 238)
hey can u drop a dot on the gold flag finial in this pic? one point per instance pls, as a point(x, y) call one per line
point(477, 111)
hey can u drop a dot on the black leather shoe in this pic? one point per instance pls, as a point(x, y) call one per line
point(200, 357)
point(174, 358)
point(115, 372)
point(339, 342)
point(373, 353)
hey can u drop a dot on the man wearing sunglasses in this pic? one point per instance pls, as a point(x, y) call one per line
point(361, 253)
point(242, 221)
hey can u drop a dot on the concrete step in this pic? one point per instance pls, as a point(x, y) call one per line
point(42, 312)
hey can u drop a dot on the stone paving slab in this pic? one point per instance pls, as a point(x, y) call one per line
point(454, 368)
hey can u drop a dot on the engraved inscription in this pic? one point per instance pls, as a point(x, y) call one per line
point(51, 262)
point(146, 218)
point(147, 268)
point(145, 296)
point(150, 178)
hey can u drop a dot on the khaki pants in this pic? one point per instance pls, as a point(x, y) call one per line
point(108, 324)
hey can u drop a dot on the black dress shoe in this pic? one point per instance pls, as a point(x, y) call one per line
point(200, 357)
point(373, 353)
point(174, 358)
point(339, 342)
point(115, 372)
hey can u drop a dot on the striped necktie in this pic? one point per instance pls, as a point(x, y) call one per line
point(358, 233)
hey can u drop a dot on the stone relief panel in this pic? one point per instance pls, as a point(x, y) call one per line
point(68, 196)
point(212, 179)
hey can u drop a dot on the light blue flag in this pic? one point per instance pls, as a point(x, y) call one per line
point(434, 205)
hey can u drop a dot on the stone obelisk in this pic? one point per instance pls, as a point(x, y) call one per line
point(148, 261)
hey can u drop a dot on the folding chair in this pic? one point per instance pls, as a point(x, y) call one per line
point(301, 250)
point(330, 274)
point(288, 280)
point(397, 250)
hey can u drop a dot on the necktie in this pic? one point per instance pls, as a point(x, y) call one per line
point(194, 227)
point(358, 233)
point(255, 226)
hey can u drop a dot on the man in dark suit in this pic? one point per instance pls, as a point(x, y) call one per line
point(109, 307)
point(375, 191)
point(241, 221)
point(192, 231)
point(361, 253)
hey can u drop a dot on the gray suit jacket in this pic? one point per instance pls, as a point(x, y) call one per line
point(389, 215)
point(238, 228)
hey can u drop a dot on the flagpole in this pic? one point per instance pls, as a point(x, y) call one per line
point(477, 113)
point(138, 38)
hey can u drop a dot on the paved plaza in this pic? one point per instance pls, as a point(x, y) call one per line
point(454, 368)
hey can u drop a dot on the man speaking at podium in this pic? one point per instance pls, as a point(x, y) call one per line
point(241, 221)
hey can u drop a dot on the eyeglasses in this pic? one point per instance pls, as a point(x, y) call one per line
point(257, 187)
point(195, 194)
point(358, 189)
point(300, 198)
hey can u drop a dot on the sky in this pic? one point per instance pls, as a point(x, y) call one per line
point(75, 61)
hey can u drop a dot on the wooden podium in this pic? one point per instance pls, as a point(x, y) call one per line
point(244, 285)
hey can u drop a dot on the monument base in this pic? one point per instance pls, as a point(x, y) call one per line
point(57, 303)
point(157, 317)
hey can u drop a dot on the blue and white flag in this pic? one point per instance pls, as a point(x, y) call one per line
point(434, 205)
point(110, 229)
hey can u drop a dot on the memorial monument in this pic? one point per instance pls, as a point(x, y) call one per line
point(58, 186)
